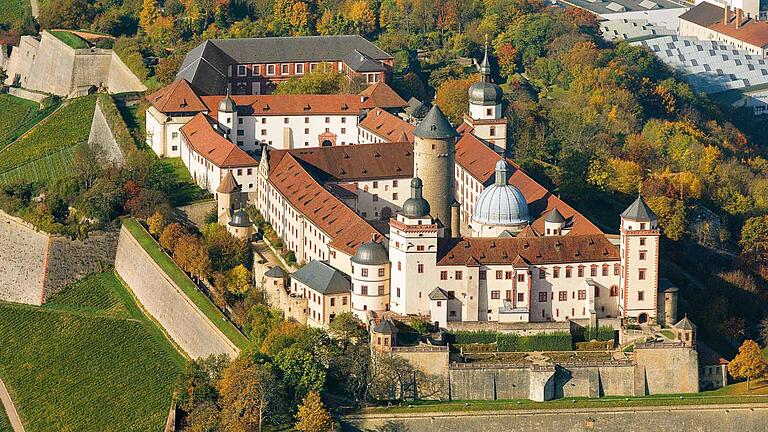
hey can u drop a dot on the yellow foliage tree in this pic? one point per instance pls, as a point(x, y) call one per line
point(299, 16)
point(361, 16)
point(190, 254)
point(748, 363)
point(238, 280)
point(453, 99)
point(156, 223)
point(171, 235)
point(313, 415)
point(150, 12)
point(625, 176)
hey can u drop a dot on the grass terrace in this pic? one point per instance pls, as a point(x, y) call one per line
point(91, 354)
point(186, 190)
point(185, 283)
point(47, 149)
point(69, 38)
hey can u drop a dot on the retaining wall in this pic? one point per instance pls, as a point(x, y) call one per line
point(71, 260)
point(23, 253)
point(102, 139)
point(189, 328)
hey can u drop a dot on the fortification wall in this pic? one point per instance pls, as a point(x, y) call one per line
point(704, 418)
point(668, 369)
point(52, 66)
point(166, 303)
point(23, 253)
point(90, 68)
point(102, 139)
point(71, 260)
point(521, 329)
point(121, 79)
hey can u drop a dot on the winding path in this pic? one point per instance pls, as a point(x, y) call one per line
point(10, 409)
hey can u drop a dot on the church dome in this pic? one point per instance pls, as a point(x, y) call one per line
point(240, 219)
point(501, 204)
point(227, 104)
point(485, 93)
point(415, 206)
point(371, 253)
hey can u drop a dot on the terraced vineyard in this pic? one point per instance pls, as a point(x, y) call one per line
point(62, 130)
point(52, 166)
point(12, 11)
point(14, 113)
point(5, 424)
point(88, 360)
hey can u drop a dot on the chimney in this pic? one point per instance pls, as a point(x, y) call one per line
point(726, 14)
point(739, 17)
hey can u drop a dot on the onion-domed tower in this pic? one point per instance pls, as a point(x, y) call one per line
point(370, 279)
point(227, 116)
point(500, 207)
point(485, 109)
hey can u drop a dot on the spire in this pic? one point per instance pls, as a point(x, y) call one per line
point(501, 173)
point(639, 211)
point(416, 186)
point(435, 126)
point(485, 66)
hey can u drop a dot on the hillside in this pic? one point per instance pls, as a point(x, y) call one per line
point(97, 358)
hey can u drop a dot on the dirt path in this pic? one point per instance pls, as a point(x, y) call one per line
point(35, 8)
point(10, 409)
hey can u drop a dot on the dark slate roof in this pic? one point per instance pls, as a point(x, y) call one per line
point(435, 125)
point(360, 62)
point(205, 67)
point(371, 253)
point(639, 210)
point(385, 327)
point(322, 278)
point(685, 324)
point(275, 272)
point(240, 219)
point(704, 14)
point(438, 294)
point(555, 216)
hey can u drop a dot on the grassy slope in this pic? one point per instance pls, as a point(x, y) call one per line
point(70, 39)
point(88, 360)
point(187, 286)
point(14, 10)
point(63, 129)
point(186, 190)
point(13, 113)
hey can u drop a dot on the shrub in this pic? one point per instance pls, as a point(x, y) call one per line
point(560, 341)
point(471, 337)
point(476, 347)
point(601, 333)
point(594, 345)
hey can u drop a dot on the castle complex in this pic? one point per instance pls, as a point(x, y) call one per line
point(425, 220)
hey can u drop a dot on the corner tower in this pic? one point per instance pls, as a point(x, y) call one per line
point(434, 160)
point(639, 250)
point(486, 116)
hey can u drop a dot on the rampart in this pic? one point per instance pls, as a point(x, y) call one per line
point(187, 326)
point(691, 418)
point(102, 138)
point(71, 260)
point(51, 66)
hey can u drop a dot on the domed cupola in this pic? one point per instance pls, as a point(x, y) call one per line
point(501, 204)
point(485, 93)
point(227, 105)
point(415, 206)
point(371, 253)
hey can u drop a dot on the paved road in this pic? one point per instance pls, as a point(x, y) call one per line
point(10, 409)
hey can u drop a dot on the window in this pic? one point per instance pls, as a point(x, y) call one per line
point(263, 131)
point(394, 196)
point(284, 69)
point(256, 69)
point(582, 294)
point(420, 268)
point(343, 130)
point(499, 274)
point(299, 68)
point(542, 297)
point(581, 271)
point(452, 313)
point(641, 274)
point(507, 275)
point(443, 275)
point(375, 198)
point(488, 111)
point(605, 269)
point(239, 121)
point(642, 241)
point(174, 135)
point(521, 277)
point(381, 290)
point(459, 275)
point(381, 272)
point(641, 295)
point(312, 66)
point(495, 294)
point(520, 297)
point(240, 132)
point(364, 289)
point(556, 272)
point(364, 272)
point(616, 269)
point(614, 291)
point(568, 272)
point(333, 301)
point(492, 131)
point(597, 291)
point(399, 265)
point(394, 182)
point(240, 171)
point(419, 247)
point(593, 271)
point(483, 275)
point(542, 273)
point(398, 292)
point(327, 120)
point(270, 69)
point(562, 296)
point(241, 70)
point(642, 255)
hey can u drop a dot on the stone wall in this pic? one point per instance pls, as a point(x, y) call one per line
point(26, 94)
point(121, 79)
point(102, 139)
point(704, 418)
point(187, 326)
point(194, 214)
point(521, 329)
point(71, 260)
point(23, 253)
point(665, 369)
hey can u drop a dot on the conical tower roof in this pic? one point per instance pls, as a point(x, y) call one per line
point(435, 126)
point(228, 184)
point(555, 216)
point(639, 210)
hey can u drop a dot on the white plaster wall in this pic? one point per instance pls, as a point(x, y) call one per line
point(373, 300)
point(270, 130)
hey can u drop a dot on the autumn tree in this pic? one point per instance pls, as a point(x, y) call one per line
point(262, 320)
point(452, 97)
point(749, 363)
point(323, 80)
point(347, 328)
point(313, 416)
point(190, 254)
point(156, 223)
point(360, 16)
point(238, 280)
point(625, 176)
point(150, 13)
point(671, 214)
point(754, 237)
point(225, 250)
point(251, 396)
point(197, 384)
point(171, 235)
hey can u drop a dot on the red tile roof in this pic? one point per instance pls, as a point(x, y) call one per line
point(480, 161)
point(202, 137)
point(176, 97)
point(346, 228)
point(256, 105)
point(533, 250)
point(384, 96)
point(751, 31)
point(388, 126)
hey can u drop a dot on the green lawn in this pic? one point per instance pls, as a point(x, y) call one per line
point(185, 284)
point(70, 39)
point(88, 360)
point(186, 191)
point(14, 114)
point(62, 130)
point(12, 11)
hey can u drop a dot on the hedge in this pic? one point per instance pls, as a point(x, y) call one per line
point(594, 345)
point(476, 348)
point(470, 337)
point(586, 334)
point(560, 341)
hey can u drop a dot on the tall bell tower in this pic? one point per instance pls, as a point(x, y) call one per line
point(639, 250)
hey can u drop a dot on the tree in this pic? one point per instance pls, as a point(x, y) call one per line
point(225, 250)
point(71, 14)
point(171, 235)
point(323, 80)
point(671, 214)
point(302, 370)
point(190, 254)
point(626, 176)
point(748, 363)
point(754, 236)
point(198, 383)
point(166, 68)
point(150, 13)
point(238, 280)
point(346, 328)
point(262, 321)
point(251, 395)
point(156, 223)
point(452, 97)
point(313, 416)
point(361, 17)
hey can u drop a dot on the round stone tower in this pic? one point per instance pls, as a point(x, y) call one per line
point(434, 161)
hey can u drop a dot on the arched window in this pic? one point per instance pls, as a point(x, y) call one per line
point(605, 269)
point(614, 291)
